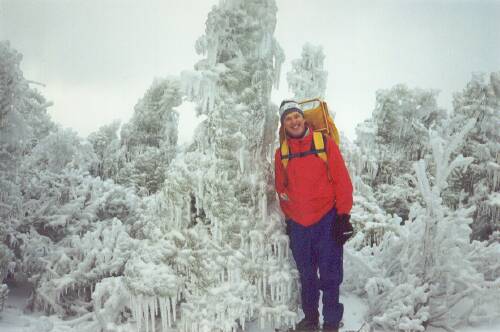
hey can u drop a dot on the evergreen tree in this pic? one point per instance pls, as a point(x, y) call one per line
point(76, 228)
point(217, 213)
point(148, 141)
point(440, 278)
point(106, 145)
point(479, 184)
point(62, 230)
point(4, 290)
point(23, 122)
point(307, 79)
point(392, 139)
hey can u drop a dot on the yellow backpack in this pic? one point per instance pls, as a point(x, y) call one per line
point(317, 117)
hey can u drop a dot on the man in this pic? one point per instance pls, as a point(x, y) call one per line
point(316, 198)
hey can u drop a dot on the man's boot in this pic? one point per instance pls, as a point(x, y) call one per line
point(307, 324)
point(329, 327)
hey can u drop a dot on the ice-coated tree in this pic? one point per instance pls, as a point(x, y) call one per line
point(11, 86)
point(369, 219)
point(106, 145)
point(62, 229)
point(392, 139)
point(439, 278)
point(12, 83)
point(23, 110)
point(4, 290)
point(221, 257)
point(479, 184)
point(307, 79)
point(78, 229)
point(23, 122)
point(149, 140)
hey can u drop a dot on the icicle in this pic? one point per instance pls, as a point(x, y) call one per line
point(199, 194)
point(263, 206)
point(142, 314)
point(163, 314)
point(241, 159)
point(264, 284)
point(187, 200)
point(177, 219)
point(173, 305)
point(151, 308)
point(138, 313)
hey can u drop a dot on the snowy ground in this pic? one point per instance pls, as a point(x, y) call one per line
point(12, 319)
point(354, 308)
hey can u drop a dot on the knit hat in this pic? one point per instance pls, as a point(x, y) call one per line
point(288, 106)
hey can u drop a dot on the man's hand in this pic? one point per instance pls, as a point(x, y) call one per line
point(342, 229)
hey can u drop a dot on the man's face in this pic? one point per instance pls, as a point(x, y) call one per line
point(294, 124)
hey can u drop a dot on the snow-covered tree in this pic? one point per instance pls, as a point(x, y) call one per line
point(23, 123)
point(49, 177)
point(4, 290)
point(367, 216)
point(479, 184)
point(55, 216)
point(75, 267)
point(392, 139)
point(13, 130)
point(106, 145)
point(224, 253)
point(439, 278)
point(307, 79)
point(402, 118)
point(81, 232)
point(149, 140)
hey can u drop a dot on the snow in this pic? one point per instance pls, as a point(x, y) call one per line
point(14, 320)
point(495, 200)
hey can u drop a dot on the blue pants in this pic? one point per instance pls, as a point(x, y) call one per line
point(313, 248)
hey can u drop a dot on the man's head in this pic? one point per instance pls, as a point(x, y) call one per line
point(292, 118)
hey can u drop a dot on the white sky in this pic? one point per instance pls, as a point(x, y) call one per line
point(98, 57)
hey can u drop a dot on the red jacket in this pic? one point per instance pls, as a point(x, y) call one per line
point(309, 193)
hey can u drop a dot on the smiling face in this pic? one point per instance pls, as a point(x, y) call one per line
point(294, 124)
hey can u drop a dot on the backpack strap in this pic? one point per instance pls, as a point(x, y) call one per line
point(285, 150)
point(319, 145)
point(320, 148)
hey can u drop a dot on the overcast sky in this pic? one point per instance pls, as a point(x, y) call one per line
point(98, 57)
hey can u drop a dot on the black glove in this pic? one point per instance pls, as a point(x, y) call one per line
point(342, 229)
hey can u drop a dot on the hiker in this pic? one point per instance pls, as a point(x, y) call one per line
point(316, 197)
